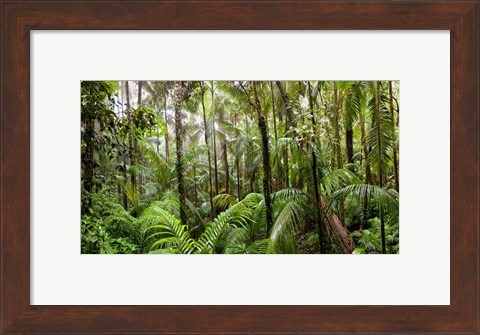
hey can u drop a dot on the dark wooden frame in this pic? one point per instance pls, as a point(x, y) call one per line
point(20, 17)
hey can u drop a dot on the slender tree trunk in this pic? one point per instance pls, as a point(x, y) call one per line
point(336, 143)
point(237, 164)
point(158, 137)
point(195, 193)
point(286, 103)
point(380, 160)
point(214, 140)
point(226, 168)
point(336, 128)
point(130, 139)
point(210, 184)
point(239, 183)
point(279, 176)
point(395, 161)
point(262, 125)
point(167, 153)
point(349, 144)
point(364, 146)
point(252, 182)
point(225, 155)
point(288, 123)
point(121, 156)
point(287, 172)
point(124, 154)
point(349, 131)
point(88, 162)
point(246, 159)
point(315, 179)
point(135, 142)
point(366, 214)
point(179, 142)
point(139, 97)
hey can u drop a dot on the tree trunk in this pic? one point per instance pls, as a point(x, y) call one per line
point(246, 158)
point(237, 163)
point(364, 146)
point(352, 90)
point(89, 163)
point(336, 128)
point(262, 125)
point(380, 160)
point(335, 223)
point(135, 142)
point(336, 143)
point(252, 182)
point(319, 222)
point(225, 154)
point(210, 188)
point(395, 161)
point(279, 176)
point(124, 154)
point(130, 139)
point(288, 123)
point(214, 140)
point(226, 168)
point(366, 214)
point(286, 103)
point(195, 193)
point(349, 144)
point(167, 153)
point(179, 142)
point(239, 184)
point(139, 97)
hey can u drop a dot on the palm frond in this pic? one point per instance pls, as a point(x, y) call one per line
point(238, 215)
point(282, 233)
point(381, 136)
point(172, 234)
point(383, 198)
point(224, 201)
point(338, 179)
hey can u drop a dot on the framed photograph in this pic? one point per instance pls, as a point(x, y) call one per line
point(133, 133)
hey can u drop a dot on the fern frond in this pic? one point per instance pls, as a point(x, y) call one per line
point(383, 198)
point(224, 201)
point(238, 215)
point(176, 234)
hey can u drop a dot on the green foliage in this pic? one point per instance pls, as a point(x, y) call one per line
point(131, 191)
point(97, 239)
point(238, 215)
point(381, 137)
point(130, 197)
point(358, 251)
point(338, 179)
point(98, 134)
point(386, 201)
point(282, 233)
point(142, 121)
point(169, 233)
point(224, 201)
point(369, 240)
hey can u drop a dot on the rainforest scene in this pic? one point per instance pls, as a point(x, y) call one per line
point(239, 167)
